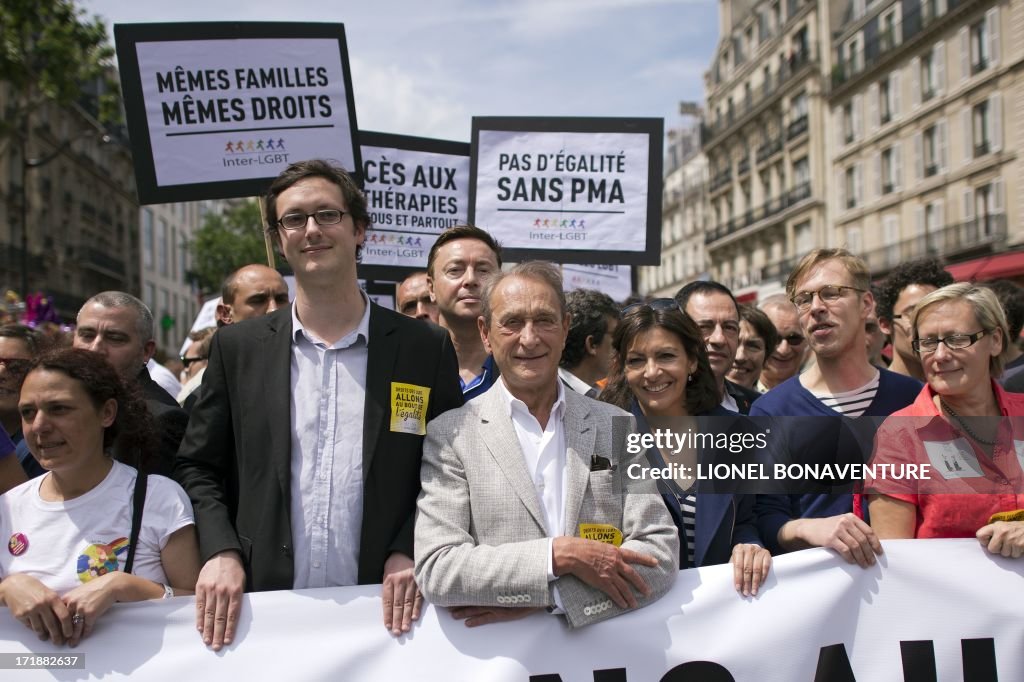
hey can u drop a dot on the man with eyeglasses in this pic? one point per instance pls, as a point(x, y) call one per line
point(302, 457)
point(907, 284)
point(831, 291)
point(195, 358)
point(790, 355)
point(717, 314)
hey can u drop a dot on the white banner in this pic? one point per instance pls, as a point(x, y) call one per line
point(941, 603)
point(415, 189)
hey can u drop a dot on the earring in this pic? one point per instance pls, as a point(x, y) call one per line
point(689, 378)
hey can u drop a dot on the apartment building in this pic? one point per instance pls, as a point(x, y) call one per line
point(68, 209)
point(924, 154)
point(767, 160)
point(684, 216)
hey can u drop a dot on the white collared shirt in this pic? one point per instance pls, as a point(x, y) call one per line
point(575, 383)
point(328, 384)
point(544, 453)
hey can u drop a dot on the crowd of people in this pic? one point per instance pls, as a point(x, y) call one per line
point(471, 449)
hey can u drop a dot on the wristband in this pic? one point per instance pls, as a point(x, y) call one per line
point(168, 592)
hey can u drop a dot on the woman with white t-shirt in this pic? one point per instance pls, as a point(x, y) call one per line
point(68, 532)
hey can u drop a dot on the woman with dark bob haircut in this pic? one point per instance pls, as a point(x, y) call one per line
point(662, 375)
point(70, 529)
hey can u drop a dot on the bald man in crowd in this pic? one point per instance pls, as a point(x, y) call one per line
point(251, 291)
point(413, 297)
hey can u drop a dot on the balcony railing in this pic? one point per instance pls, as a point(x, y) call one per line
point(796, 127)
point(94, 258)
point(979, 66)
point(720, 179)
point(930, 170)
point(985, 233)
point(743, 166)
point(981, 149)
point(792, 66)
point(769, 149)
point(765, 210)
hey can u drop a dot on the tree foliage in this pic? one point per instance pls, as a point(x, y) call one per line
point(49, 50)
point(226, 242)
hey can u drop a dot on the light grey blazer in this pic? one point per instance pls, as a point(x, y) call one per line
point(480, 535)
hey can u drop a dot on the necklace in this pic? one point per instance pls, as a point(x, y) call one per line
point(960, 420)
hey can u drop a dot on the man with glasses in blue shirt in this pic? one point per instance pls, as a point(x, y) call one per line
point(831, 291)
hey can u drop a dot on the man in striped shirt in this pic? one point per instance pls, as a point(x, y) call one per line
point(831, 291)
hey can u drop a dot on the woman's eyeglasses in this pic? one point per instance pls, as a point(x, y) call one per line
point(953, 342)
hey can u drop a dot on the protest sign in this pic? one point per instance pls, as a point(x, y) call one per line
point(614, 280)
point(217, 110)
point(571, 190)
point(415, 189)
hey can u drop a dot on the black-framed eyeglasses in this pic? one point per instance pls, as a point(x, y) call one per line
point(188, 361)
point(298, 221)
point(830, 293)
point(794, 340)
point(656, 304)
point(953, 342)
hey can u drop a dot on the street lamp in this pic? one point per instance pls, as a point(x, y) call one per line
point(26, 164)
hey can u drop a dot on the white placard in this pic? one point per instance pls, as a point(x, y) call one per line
point(221, 110)
point(413, 196)
point(614, 280)
point(572, 191)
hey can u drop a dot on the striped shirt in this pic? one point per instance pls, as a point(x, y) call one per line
point(851, 403)
point(688, 507)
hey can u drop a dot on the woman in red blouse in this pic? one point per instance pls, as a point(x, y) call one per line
point(963, 425)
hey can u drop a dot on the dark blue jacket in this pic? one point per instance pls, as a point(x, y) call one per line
point(723, 519)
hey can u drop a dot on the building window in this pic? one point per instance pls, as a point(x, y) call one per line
point(888, 171)
point(931, 151)
point(849, 132)
point(798, 105)
point(803, 238)
point(884, 100)
point(853, 56)
point(979, 46)
point(850, 186)
point(981, 128)
point(928, 82)
point(889, 29)
point(801, 171)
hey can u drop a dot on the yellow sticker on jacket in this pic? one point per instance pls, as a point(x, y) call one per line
point(409, 408)
point(602, 532)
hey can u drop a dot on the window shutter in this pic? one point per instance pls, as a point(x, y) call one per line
point(858, 184)
point(878, 175)
point(939, 61)
point(997, 196)
point(968, 205)
point(915, 82)
point(995, 122)
point(897, 166)
point(873, 107)
point(966, 116)
point(858, 122)
point(897, 94)
point(942, 138)
point(965, 53)
point(992, 29)
point(919, 220)
point(841, 189)
point(918, 156)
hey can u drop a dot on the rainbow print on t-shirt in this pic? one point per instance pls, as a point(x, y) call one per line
point(99, 559)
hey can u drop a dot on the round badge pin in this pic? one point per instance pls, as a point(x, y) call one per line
point(17, 544)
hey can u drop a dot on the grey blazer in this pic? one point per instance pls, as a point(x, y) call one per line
point(480, 535)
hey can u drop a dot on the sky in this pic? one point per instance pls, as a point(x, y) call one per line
point(427, 67)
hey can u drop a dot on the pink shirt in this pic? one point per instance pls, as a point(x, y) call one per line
point(965, 485)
